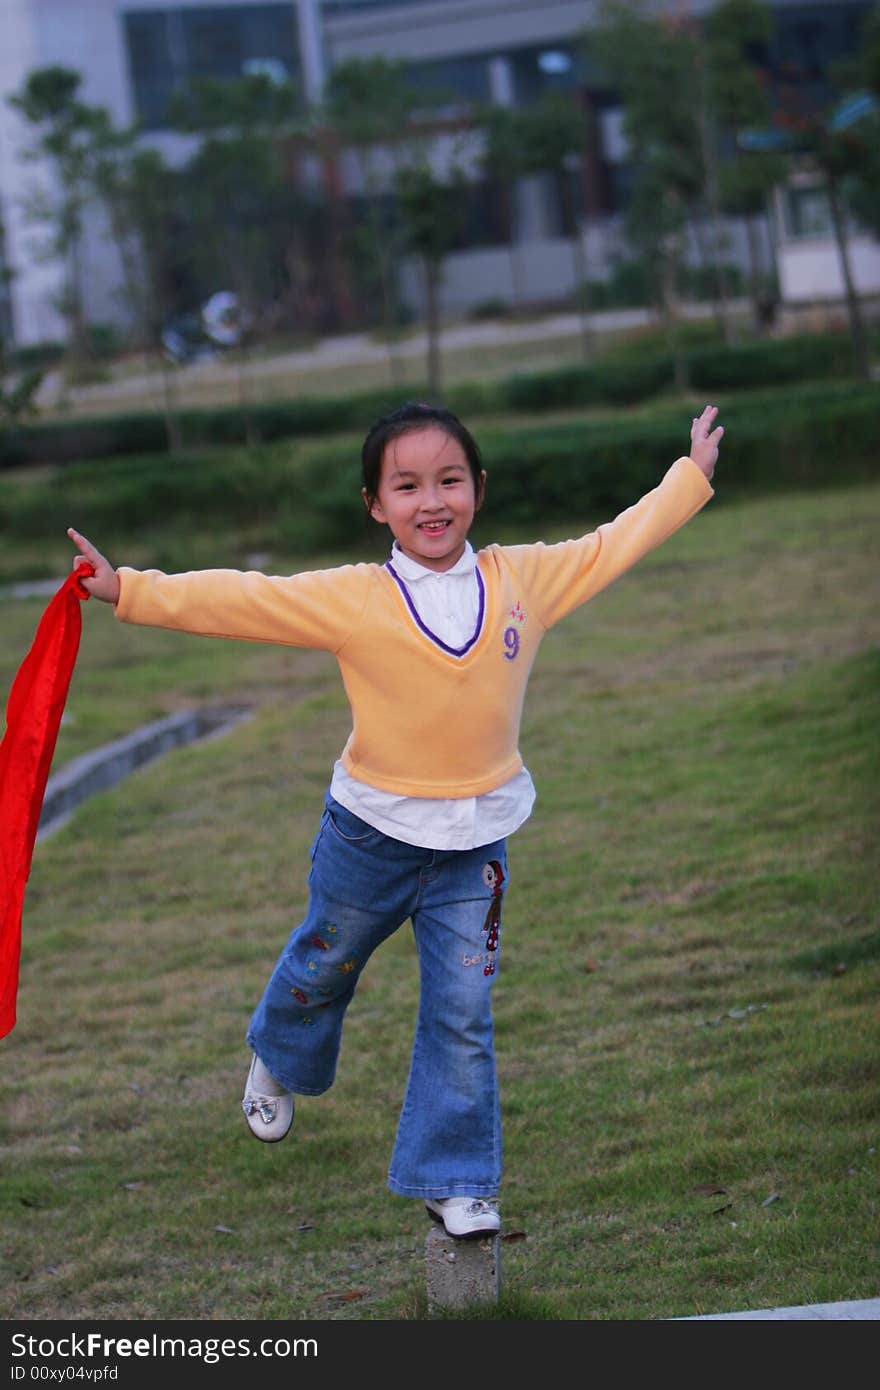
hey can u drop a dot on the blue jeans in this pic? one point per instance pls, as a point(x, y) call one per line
point(363, 885)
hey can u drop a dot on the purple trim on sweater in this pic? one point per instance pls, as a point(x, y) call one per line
point(444, 646)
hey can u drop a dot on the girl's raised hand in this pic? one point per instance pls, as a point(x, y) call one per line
point(705, 440)
point(104, 584)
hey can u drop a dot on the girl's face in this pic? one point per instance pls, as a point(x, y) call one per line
point(426, 495)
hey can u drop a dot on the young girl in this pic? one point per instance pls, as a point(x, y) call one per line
point(435, 649)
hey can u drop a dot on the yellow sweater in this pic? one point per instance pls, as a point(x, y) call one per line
point(428, 720)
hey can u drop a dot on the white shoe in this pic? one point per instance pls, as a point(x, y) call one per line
point(465, 1216)
point(267, 1105)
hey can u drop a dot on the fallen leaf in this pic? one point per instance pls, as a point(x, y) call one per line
point(709, 1189)
point(768, 1201)
point(590, 966)
point(515, 1235)
point(224, 1230)
point(718, 1210)
point(305, 1226)
point(133, 1186)
point(345, 1297)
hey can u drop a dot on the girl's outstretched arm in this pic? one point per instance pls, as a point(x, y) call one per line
point(105, 582)
point(705, 440)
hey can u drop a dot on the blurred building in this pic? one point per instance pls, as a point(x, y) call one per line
point(133, 54)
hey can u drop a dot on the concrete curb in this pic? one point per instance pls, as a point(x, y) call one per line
point(103, 767)
point(858, 1310)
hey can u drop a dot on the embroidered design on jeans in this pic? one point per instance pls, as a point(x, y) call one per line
point(298, 994)
point(347, 966)
point(493, 877)
point(478, 958)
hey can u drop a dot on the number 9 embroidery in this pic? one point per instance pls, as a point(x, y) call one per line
point(511, 642)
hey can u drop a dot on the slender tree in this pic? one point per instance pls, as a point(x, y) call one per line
point(649, 60)
point(239, 199)
point(504, 161)
point(861, 136)
point(554, 133)
point(18, 392)
point(839, 135)
point(432, 213)
point(63, 127)
point(839, 158)
point(142, 196)
point(737, 100)
point(369, 103)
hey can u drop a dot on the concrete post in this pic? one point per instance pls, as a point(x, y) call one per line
point(311, 49)
point(461, 1274)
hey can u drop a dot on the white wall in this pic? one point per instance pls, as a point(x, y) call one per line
point(809, 271)
point(87, 38)
point(424, 32)
point(35, 283)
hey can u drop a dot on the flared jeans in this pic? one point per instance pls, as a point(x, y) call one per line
point(364, 885)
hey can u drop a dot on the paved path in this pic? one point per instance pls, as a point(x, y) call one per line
point(353, 349)
point(858, 1310)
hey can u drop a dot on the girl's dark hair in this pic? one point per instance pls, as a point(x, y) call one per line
point(415, 415)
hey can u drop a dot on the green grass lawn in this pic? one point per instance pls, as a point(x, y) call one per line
point(687, 1000)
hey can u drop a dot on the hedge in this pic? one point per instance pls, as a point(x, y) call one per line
point(607, 382)
point(298, 500)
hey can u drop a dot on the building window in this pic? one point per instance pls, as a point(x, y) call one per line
point(552, 67)
point(808, 40)
point(347, 7)
point(807, 212)
point(451, 82)
point(169, 49)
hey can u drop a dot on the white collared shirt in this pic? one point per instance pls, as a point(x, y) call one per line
point(447, 603)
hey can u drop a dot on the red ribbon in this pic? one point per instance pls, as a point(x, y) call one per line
point(33, 714)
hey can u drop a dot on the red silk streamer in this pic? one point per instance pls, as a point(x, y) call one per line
point(33, 714)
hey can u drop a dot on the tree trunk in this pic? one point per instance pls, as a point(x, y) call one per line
point(713, 202)
point(251, 431)
point(389, 311)
point(719, 304)
point(338, 285)
point(173, 431)
point(80, 344)
point(517, 275)
point(381, 241)
point(760, 300)
point(669, 313)
point(579, 265)
point(856, 323)
point(432, 285)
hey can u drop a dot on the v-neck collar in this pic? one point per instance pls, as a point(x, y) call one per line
point(423, 626)
point(412, 572)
